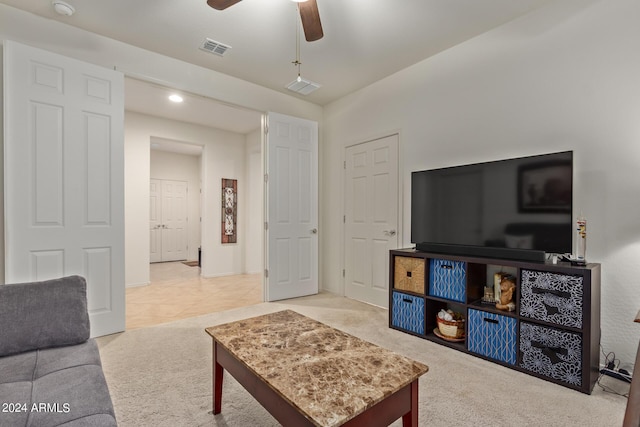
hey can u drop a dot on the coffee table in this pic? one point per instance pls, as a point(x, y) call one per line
point(306, 373)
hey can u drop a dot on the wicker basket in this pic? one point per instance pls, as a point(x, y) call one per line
point(409, 274)
point(451, 328)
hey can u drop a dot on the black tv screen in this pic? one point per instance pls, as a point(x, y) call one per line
point(521, 203)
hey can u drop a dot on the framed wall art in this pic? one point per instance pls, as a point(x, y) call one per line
point(229, 210)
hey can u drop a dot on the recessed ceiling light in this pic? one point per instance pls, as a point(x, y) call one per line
point(63, 8)
point(175, 98)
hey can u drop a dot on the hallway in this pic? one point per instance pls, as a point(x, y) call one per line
point(177, 292)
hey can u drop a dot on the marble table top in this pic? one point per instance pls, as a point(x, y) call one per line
point(329, 375)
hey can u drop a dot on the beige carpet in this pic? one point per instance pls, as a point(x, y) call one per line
point(161, 376)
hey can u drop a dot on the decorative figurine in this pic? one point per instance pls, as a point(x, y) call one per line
point(507, 289)
point(497, 278)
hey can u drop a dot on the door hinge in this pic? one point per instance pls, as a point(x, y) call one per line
point(266, 129)
point(266, 225)
point(266, 177)
point(345, 164)
point(344, 219)
point(266, 273)
point(343, 272)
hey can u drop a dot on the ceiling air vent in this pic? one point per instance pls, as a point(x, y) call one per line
point(303, 86)
point(215, 47)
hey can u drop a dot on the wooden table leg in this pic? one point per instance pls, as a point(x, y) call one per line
point(217, 381)
point(410, 419)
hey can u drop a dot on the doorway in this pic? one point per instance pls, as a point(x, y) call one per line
point(178, 151)
point(211, 143)
point(174, 200)
point(235, 153)
point(228, 143)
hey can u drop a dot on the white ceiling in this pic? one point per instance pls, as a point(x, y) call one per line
point(150, 98)
point(181, 147)
point(364, 41)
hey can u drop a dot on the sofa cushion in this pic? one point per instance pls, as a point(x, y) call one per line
point(70, 394)
point(15, 393)
point(66, 385)
point(38, 315)
point(32, 365)
point(18, 367)
point(56, 359)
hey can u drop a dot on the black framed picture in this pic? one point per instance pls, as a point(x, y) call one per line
point(545, 187)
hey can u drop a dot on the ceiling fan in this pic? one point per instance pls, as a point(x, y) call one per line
point(309, 16)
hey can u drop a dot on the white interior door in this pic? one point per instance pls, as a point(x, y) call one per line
point(168, 220)
point(64, 176)
point(371, 218)
point(174, 220)
point(292, 207)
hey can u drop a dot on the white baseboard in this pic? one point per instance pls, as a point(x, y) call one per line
point(220, 275)
point(137, 285)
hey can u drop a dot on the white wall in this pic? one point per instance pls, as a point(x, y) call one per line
point(223, 157)
point(181, 167)
point(137, 173)
point(562, 78)
point(253, 208)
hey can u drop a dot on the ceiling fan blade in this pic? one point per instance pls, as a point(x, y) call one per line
point(311, 20)
point(221, 4)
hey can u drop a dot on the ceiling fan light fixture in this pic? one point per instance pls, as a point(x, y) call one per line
point(175, 98)
point(298, 1)
point(303, 86)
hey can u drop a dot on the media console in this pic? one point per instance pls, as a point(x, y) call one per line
point(553, 334)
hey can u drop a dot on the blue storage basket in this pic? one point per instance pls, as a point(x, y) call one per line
point(448, 279)
point(407, 312)
point(492, 335)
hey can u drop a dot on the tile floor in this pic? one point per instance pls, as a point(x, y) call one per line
point(177, 292)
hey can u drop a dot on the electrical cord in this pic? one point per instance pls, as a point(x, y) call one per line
point(611, 364)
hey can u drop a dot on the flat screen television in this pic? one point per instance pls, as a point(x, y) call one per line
point(518, 208)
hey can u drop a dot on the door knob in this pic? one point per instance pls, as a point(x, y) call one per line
point(389, 232)
point(314, 231)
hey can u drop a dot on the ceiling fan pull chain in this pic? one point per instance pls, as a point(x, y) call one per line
point(297, 62)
